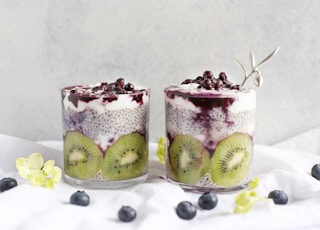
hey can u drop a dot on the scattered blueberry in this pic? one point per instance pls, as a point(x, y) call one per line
point(208, 200)
point(315, 171)
point(127, 214)
point(80, 198)
point(186, 210)
point(278, 197)
point(7, 183)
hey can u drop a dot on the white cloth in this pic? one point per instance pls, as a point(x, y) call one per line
point(285, 166)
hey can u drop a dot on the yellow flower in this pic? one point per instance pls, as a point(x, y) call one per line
point(246, 199)
point(37, 172)
point(161, 152)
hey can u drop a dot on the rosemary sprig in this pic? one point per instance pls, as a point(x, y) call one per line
point(255, 68)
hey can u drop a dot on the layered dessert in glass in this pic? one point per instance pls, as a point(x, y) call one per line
point(105, 134)
point(210, 126)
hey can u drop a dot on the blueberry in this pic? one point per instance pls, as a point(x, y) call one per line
point(129, 87)
point(208, 200)
point(207, 84)
point(80, 198)
point(315, 171)
point(278, 197)
point(186, 210)
point(127, 214)
point(223, 77)
point(218, 85)
point(208, 74)
point(7, 183)
point(120, 82)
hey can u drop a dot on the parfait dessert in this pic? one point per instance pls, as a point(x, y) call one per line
point(105, 133)
point(210, 125)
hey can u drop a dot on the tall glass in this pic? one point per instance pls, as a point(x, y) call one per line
point(105, 134)
point(210, 136)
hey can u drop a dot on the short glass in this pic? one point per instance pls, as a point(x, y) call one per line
point(105, 135)
point(210, 137)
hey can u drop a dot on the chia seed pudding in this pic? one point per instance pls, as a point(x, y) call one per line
point(105, 132)
point(210, 125)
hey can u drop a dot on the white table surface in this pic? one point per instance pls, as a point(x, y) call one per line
point(285, 166)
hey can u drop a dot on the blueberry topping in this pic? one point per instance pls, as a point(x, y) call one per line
point(208, 74)
point(7, 183)
point(278, 197)
point(186, 210)
point(218, 85)
point(120, 83)
point(208, 200)
point(315, 171)
point(129, 87)
point(127, 214)
point(223, 77)
point(209, 82)
point(80, 198)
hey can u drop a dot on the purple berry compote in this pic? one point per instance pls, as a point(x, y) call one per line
point(210, 125)
point(105, 131)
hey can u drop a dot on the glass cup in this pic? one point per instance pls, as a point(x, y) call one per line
point(209, 137)
point(105, 135)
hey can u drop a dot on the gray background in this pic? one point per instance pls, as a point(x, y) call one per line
point(48, 44)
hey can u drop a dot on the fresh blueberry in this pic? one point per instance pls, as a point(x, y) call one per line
point(80, 198)
point(208, 200)
point(186, 210)
point(7, 183)
point(278, 197)
point(315, 171)
point(127, 214)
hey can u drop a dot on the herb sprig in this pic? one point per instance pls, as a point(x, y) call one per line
point(258, 80)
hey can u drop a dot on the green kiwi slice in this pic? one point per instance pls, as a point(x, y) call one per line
point(82, 157)
point(187, 159)
point(127, 158)
point(231, 160)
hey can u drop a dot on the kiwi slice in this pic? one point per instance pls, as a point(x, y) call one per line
point(187, 159)
point(82, 157)
point(127, 158)
point(231, 160)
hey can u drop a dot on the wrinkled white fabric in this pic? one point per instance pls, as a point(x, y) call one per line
point(285, 166)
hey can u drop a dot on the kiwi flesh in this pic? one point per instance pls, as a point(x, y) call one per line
point(127, 158)
point(82, 157)
point(187, 159)
point(231, 160)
